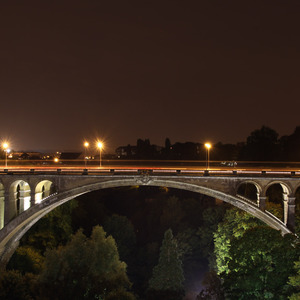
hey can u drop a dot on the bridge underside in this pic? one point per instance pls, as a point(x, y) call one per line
point(17, 227)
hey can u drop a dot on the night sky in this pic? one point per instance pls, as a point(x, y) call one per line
point(122, 70)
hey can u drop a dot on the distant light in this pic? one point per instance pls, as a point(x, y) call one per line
point(207, 145)
point(99, 145)
point(86, 144)
point(56, 159)
point(5, 145)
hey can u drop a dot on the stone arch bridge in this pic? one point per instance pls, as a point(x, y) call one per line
point(26, 196)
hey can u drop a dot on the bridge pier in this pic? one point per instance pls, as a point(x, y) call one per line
point(9, 208)
point(289, 213)
point(261, 202)
point(32, 198)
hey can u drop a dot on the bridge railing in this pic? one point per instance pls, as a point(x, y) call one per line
point(151, 163)
point(147, 171)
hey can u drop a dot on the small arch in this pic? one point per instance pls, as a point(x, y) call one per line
point(286, 189)
point(276, 196)
point(42, 190)
point(19, 194)
point(2, 205)
point(249, 190)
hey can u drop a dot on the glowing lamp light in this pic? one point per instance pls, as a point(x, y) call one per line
point(100, 146)
point(86, 144)
point(5, 147)
point(208, 147)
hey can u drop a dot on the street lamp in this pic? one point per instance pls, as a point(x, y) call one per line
point(5, 147)
point(86, 144)
point(207, 146)
point(100, 146)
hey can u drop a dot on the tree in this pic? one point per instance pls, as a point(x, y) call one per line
point(52, 230)
point(15, 286)
point(187, 150)
point(167, 279)
point(122, 230)
point(86, 268)
point(211, 218)
point(172, 214)
point(166, 151)
point(290, 146)
point(145, 150)
point(26, 259)
point(213, 290)
point(295, 281)
point(234, 225)
point(262, 144)
point(260, 264)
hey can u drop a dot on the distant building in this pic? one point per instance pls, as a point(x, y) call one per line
point(126, 151)
point(26, 155)
point(70, 155)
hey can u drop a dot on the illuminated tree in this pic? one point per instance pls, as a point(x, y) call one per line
point(261, 262)
point(234, 225)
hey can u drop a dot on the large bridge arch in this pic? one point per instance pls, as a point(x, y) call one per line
point(16, 228)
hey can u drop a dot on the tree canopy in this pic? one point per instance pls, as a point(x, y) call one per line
point(86, 268)
point(167, 278)
point(294, 281)
point(253, 260)
point(260, 264)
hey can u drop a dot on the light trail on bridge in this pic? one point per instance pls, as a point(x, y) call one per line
point(152, 166)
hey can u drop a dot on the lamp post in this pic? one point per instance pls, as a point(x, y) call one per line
point(5, 147)
point(100, 145)
point(86, 144)
point(207, 146)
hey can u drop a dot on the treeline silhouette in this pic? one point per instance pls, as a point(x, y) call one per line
point(262, 144)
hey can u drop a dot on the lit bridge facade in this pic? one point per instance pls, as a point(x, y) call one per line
point(27, 196)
